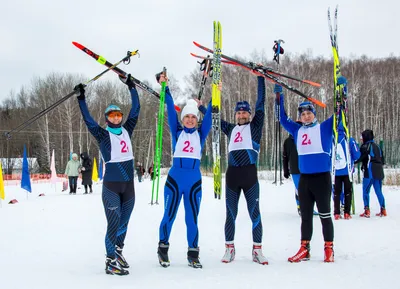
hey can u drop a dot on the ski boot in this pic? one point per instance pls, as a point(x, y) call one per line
point(382, 213)
point(337, 216)
point(258, 256)
point(162, 253)
point(229, 255)
point(366, 213)
point(347, 216)
point(120, 258)
point(193, 258)
point(329, 254)
point(303, 254)
point(113, 267)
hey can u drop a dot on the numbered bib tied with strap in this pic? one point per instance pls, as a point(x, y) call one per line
point(240, 138)
point(121, 147)
point(309, 140)
point(188, 146)
point(341, 162)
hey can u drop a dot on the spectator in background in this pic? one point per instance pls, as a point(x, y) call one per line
point(139, 171)
point(86, 170)
point(72, 171)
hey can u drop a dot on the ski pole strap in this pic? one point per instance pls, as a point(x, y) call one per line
point(278, 49)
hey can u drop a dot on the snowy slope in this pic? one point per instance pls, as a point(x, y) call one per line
point(57, 241)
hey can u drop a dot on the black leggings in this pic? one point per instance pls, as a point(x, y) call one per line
point(315, 188)
point(340, 182)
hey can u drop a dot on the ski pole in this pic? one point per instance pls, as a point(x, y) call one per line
point(278, 140)
point(206, 68)
point(119, 71)
point(58, 102)
point(158, 152)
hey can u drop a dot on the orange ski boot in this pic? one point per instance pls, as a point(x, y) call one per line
point(303, 254)
point(366, 213)
point(329, 254)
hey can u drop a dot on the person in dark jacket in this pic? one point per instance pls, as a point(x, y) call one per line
point(139, 171)
point(151, 172)
point(291, 165)
point(86, 171)
point(372, 164)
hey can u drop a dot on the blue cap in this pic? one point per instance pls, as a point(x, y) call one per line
point(111, 108)
point(306, 106)
point(243, 106)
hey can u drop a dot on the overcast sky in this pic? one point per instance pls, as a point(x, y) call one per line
point(36, 36)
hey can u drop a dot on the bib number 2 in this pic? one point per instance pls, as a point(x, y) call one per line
point(124, 147)
point(187, 148)
point(238, 137)
point(306, 140)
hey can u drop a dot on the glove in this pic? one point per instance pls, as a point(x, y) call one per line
point(341, 80)
point(83, 169)
point(80, 91)
point(128, 81)
point(286, 174)
point(277, 88)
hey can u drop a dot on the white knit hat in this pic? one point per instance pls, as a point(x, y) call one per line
point(190, 108)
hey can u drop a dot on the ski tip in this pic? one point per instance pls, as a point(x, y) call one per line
point(312, 83)
point(80, 46)
point(177, 108)
point(317, 102)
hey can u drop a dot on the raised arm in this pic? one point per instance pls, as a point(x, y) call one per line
point(94, 128)
point(260, 104)
point(207, 122)
point(174, 124)
point(288, 124)
point(133, 116)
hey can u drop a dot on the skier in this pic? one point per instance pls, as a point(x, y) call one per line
point(184, 177)
point(72, 171)
point(314, 144)
point(244, 146)
point(372, 164)
point(118, 187)
point(86, 169)
point(342, 179)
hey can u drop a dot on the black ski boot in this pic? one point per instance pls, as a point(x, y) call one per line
point(162, 253)
point(120, 258)
point(193, 258)
point(113, 267)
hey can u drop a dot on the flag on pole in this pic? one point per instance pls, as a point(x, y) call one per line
point(2, 193)
point(26, 178)
point(95, 175)
point(53, 178)
point(101, 169)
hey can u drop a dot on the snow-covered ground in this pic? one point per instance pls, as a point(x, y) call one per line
point(57, 241)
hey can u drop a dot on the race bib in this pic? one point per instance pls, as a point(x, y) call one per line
point(309, 140)
point(240, 138)
point(340, 162)
point(121, 147)
point(188, 146)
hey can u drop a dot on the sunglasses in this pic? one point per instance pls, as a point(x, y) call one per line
point(303, 108)
point(113, 114)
